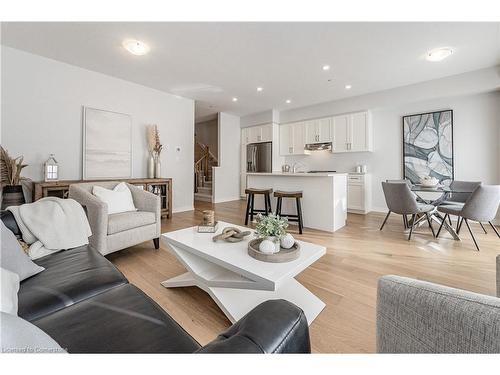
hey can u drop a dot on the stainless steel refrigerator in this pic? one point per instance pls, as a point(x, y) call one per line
point(259, 157)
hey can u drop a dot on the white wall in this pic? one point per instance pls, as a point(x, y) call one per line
point(476, 129)
point(226, 177)
point(42, 103)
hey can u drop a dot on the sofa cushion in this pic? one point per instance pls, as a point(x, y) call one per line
point(121, 320)
point(129, 220)
point(69, 277)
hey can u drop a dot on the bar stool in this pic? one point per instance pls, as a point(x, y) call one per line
point(290, 194)
point(251, 211)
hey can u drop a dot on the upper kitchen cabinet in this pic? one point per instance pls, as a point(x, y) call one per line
point(352, 133)
point(341, 133)
point(244, 136)
point(261, 133)
point(292, 139)
point(318, 131)
point(360, 132)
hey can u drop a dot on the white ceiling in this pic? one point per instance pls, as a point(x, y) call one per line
point(213, 62)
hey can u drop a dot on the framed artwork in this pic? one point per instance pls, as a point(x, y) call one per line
point(428, 146)
point(107, 144)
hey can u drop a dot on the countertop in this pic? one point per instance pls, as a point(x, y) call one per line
point(296, 174)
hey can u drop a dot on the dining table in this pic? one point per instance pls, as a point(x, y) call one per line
point(444, 191)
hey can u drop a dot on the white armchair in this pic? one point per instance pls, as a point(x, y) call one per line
point(115, 232)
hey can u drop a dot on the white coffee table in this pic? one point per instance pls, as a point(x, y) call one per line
point(236, 281)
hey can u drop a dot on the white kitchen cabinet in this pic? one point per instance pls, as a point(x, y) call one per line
point(352, 133)
point(341, 133)
point(286, 140)
point(261, 133)
point(360, 132)
point(266, 133)
point(244, 137)
point(358, 193)
point(299, 138)
point(292, 139)
point(325, 129)
point(254, 134)
point(317, 131)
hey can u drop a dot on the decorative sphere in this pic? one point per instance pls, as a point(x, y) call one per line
point(267, 247)
point(287, 241)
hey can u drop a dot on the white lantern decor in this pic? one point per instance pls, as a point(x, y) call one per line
point(51, 169)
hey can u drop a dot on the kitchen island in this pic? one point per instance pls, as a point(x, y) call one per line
point(324, 202)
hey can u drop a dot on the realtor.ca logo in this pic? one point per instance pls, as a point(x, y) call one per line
point(28, 349)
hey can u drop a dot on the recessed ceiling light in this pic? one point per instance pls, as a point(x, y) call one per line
point(288, 101)
point(438, 54)
point(348, 87)
point(259, 89)
point(326, 67)
point(136, 47)
point(235, 99)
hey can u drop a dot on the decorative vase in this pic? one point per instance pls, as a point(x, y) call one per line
point(158, 168)
point(151, 167)
point(12, 195)
point(275, 240)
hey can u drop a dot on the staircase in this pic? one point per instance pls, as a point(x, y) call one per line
point(204, 192)
point(204, 161)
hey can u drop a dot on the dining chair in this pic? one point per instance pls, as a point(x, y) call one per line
point(408, 182)
point(461, 196)
point(481, 206)
point(401, 200)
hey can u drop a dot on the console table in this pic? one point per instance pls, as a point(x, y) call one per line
point(159, 186)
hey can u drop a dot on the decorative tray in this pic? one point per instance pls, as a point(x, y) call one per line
point(284, 255)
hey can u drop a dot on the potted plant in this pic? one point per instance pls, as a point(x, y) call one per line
point(12, 190)
point(272, 228)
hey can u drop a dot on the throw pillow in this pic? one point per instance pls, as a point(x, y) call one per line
point(13, 258)
point(20, 336)
point(118, 200)
point(9, 288)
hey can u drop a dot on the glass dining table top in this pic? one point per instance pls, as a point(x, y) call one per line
point(438, 189)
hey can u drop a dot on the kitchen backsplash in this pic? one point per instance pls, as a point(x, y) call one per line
point(324, 160)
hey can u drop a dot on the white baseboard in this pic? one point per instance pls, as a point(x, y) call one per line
point(222, 200)
point(182, 209)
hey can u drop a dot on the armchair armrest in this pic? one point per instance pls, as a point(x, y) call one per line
point(145, 200)
point(420, 317)
point(275, 326)
point(97, 214)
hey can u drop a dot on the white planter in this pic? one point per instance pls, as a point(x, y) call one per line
point(276, 243)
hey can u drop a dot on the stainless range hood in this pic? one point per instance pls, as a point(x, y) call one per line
point(325, 146)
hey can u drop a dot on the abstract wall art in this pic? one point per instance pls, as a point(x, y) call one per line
point(107, 144)
point(428, 146)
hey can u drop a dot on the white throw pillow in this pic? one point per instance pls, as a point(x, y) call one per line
point(9, 289)
point(20, 336)
point(118, 200)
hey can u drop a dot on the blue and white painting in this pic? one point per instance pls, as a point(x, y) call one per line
point(428, 146)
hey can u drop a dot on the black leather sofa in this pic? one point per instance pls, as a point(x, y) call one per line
point(86, 304)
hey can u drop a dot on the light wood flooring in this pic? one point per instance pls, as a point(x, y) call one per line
point(345, 278)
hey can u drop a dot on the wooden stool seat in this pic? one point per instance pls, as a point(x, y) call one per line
point(251, 211)
point(258, 191)
point(287, 194)
point(297, 195)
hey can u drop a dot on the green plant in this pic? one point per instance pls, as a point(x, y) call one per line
point(271, 226)
point(11, 168)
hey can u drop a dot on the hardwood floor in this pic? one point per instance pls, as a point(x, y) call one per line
point(345, 278)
